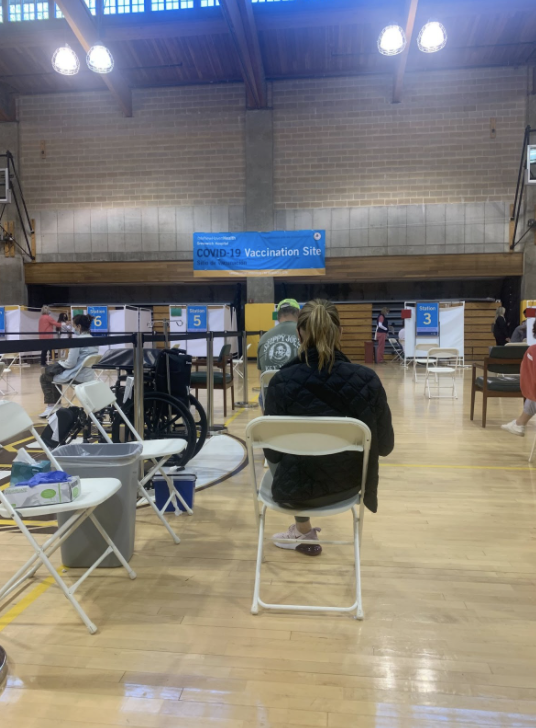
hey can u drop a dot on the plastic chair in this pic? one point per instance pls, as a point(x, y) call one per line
point(239, 363)
point(310, 436)
point(88, 362)
point(266, 378)
point(441, 363)
point(95, 396)
point(4, 370)
point(94, 491)
point(422, 350)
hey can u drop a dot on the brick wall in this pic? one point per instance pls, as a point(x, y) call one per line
point(342, 143)
point(183, 146)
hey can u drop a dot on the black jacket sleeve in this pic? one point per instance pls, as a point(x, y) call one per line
point(273, 406)
point(386, 435)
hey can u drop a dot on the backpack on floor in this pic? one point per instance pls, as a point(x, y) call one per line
point(68, 424)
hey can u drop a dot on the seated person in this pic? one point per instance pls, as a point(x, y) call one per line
point(62, 372)
point(322, 382)
point(280, 344)
point(520, 333)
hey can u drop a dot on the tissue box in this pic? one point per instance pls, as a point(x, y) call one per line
point(46, 494)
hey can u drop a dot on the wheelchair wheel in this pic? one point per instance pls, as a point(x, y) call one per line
point(201, 422)
point(164, 417)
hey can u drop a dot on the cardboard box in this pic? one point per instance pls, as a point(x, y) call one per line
point(46, 494)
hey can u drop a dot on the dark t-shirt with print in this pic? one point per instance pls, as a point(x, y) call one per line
point(278, 346)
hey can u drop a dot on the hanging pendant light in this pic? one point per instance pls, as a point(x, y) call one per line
point(65, 61)
point(99, 59)
point(392, 40)
point(432, 38)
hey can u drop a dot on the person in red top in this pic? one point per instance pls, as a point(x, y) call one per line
point(528, 390)
point(47, 325)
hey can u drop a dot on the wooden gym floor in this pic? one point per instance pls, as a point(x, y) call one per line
point(449, 591)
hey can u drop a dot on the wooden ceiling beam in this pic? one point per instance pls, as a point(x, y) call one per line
point(403, 60)
point(81, 23)
point(238, 15)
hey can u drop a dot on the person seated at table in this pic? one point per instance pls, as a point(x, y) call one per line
point(322, 382)
point(519, 334)
point(63, 371)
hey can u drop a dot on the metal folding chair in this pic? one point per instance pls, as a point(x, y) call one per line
point(440, 365)
point(4, 370)
point(397, 349)
point(310, 436)
point(95, 396)
point(94, 491)
point(239, 363)
point(88, 362)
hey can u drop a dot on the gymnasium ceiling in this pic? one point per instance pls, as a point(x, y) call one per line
point(259, 42)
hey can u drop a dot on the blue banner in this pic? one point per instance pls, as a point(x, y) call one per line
point(2, 320)
point(279, 253)
point(99, 325)
point(197, 319)
point(427, 319)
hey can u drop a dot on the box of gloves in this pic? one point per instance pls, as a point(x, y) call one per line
point(45, 489)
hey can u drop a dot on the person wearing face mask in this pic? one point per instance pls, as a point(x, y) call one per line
point(62, 372)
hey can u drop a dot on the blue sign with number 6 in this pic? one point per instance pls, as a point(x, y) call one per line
point(197, 319)
point(99, 325)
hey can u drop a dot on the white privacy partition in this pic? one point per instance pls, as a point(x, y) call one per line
point(145, 325)
point(451, 329)
point(23, 320)
point(220, 318)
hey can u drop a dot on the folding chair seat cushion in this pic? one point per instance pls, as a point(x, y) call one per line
point(154, 449)
point(94, 491)
point(201, 378)
point(496, 384)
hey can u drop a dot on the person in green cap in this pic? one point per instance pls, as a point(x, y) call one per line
point(279, 345)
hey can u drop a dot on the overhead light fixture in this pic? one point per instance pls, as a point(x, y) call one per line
point(99, 59)
point(65, 61)
point(432, 38)
point(392, 40)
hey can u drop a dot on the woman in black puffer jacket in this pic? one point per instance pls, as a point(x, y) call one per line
point(322, 382)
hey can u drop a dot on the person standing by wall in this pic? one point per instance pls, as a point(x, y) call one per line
point(500, 327)
point(47, 324)
point(382, 331)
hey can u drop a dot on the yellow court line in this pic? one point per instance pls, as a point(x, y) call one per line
point(236, 414)
point(42, 524)
point(451, 467)
point(25, 602)
point(11, 446)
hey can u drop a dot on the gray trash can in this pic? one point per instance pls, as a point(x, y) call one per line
point(117, 515)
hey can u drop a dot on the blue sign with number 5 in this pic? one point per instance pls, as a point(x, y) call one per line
point(99, 325)
point(197, 319)
point(427, 319)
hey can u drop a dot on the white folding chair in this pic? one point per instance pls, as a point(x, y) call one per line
point(238, 365)
point(398, 350)
point(420, 356)
point(266, 378)
point(95, 396)
point(441, 364)
point(4, 370)
point(94, 491)
point(310, 436)
point(88, 362)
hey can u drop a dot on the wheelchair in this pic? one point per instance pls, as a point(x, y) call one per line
point(169, 410)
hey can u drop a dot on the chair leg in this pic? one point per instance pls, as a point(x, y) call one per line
point(484, 409)
point(258, 566)
point(224, 403)
point(232, 395)
point(357, 556)
point(161, 516)
point(532, 451)
point(473, 393)
point(130, 571)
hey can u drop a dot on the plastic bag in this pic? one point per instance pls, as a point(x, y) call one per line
point(25, 467)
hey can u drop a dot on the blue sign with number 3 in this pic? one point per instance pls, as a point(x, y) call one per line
point(99, 325)
point(427, 319)
point(197, 319)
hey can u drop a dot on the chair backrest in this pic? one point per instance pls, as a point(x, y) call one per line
point(505, 360)
point(225, 353)
point(13, 420)
point(424, 347)
point(94, 395)
point(91, 360)
point(266, 378)
point(309, 436)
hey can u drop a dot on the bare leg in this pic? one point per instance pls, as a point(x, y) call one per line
point(303, 524)
point(529, 410)
point(523, 419)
